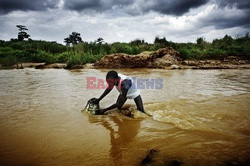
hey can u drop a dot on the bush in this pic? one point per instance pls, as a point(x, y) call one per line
point(81, 59)
point(39, 56)
point(62, 58)
point(214, 53)
point(15, 51)
point(74, 60)
point(8, 61)
point(191, 52)
point(121, 48)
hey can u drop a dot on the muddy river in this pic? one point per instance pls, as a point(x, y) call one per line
point(200, 117)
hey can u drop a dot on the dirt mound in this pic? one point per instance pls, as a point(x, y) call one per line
point(161, 58)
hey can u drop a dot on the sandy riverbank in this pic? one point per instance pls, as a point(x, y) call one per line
point(209, 64)
point(165, 58)
point(46, 66)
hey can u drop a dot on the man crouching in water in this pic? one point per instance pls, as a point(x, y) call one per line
point(124, 86)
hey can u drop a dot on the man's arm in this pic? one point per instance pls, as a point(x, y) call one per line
point(104, 94)
point(107, 90)
point(126, 84)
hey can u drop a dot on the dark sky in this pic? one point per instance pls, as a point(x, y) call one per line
point(125, 20)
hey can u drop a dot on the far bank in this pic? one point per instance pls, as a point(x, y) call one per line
point(165, 58)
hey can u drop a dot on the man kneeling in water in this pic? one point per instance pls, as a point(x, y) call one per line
point(124, 86)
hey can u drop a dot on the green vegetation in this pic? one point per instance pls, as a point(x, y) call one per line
point(14, 51)
point(77, 52)
point(227, 46)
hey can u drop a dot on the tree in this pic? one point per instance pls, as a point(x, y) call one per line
point(137, 42)
point(22, 34)
point(160, 41)
point(99, 40)
point(67, 41)
point(228, 40)
point(73, 39)
point(200, 40)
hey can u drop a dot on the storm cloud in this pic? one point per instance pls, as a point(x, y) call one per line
point(125, 20)
point(229, 13)
point(95, 5)
point(177, 7)
point(240, 4)
point(7, 6)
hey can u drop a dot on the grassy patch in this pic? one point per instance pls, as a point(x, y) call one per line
point(14, 51)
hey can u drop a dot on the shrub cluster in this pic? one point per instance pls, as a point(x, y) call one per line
point(15, 51)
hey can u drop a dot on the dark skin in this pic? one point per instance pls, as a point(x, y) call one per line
point(121, 98)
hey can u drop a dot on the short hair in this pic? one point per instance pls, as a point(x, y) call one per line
point(112, 74)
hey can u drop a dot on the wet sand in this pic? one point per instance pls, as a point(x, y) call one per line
point(199, 117)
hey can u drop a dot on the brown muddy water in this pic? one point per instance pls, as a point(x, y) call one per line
point(201, 117)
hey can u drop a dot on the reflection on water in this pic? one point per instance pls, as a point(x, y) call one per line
point(200, 117)
point(122, 132)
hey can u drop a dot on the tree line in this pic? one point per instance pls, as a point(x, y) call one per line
point(76, 51)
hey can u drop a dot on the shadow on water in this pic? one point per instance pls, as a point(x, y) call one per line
point(122, 131)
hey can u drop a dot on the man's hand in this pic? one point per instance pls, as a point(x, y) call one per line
point(102, 111)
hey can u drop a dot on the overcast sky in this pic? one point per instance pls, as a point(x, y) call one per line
point(125, 20)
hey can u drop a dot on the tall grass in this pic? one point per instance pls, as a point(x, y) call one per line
point(81, 59)
point(14, 51)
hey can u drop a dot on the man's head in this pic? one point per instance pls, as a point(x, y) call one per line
point(112, 77)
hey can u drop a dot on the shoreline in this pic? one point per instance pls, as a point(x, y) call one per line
point(194, 64)
point(164, 58)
